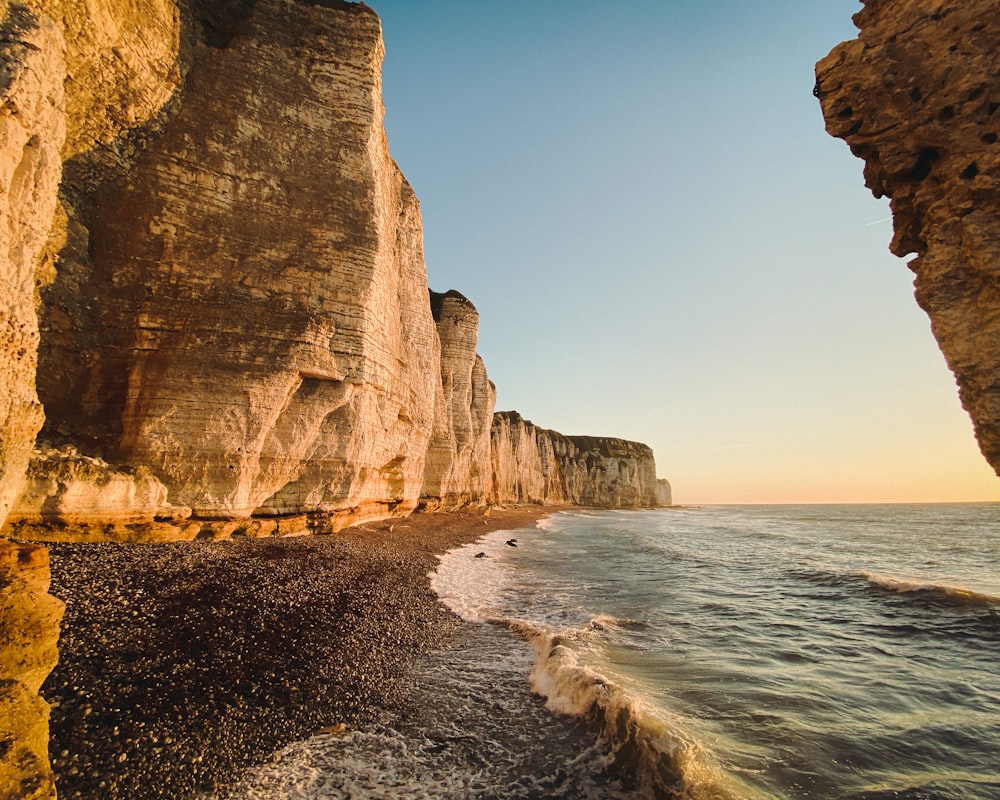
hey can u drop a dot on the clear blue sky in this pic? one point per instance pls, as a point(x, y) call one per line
point(665, 245)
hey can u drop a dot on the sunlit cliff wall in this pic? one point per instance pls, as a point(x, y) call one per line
point(535, 465)
point(456, 471)
point(239, 327)
point(917, 96)
point(76, 75)
point(32, 133)
point(247, 303)
point(213, 297)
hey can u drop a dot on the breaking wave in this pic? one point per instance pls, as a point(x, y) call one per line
point(923, 587)
point(933, 588)
point(688, 657)
point(643, 740)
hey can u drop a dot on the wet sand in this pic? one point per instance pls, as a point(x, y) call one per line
point(182, 664)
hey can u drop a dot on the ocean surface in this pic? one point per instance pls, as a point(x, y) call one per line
point(716, 652)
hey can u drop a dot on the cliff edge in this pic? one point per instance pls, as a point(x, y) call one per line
point(916, 96)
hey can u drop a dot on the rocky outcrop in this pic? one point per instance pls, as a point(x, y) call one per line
point(664, 494)
point(917, 96)
point(69, 496)
point(535, 465)
point(456, 471)
point(29, 626)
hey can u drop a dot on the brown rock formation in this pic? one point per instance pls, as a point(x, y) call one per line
point(917, 97)
point(456, 472)
point(29, 625)
point(535, 465)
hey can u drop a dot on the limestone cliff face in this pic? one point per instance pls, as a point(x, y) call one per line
point(247, 303)
point(124, 64)
point(535, 465)
point(239, 325)
point(76, 75)
point(456, 472)
point(917, 97)
point(32, 132)
point(29, 626)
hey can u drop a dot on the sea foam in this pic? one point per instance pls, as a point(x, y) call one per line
point(469, 581)
point(646, 743)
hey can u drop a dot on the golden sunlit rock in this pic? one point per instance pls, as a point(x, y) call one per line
point(916, 96)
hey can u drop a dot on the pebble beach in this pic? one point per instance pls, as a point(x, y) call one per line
point(183, 664)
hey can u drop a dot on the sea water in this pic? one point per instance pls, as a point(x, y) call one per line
point(717, 652)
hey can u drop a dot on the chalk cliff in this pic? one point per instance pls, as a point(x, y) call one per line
point(247, 304)
point(456, 471)
point(32, 132)
point(664, 492)
point(124, 66)
point(916, 96)
point(212, 281)
point(239, 328)
point(535, 465)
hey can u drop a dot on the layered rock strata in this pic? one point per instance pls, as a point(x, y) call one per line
point(29, 626)
point(32, 132)
point(456, 471)
point(77, 75)
point(535, 465)
point(240, 318)
point(249, 314)
point(917, 96)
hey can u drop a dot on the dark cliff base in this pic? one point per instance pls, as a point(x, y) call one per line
point(182, 664)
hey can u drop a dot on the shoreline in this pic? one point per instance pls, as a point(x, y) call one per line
point(183, 664)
